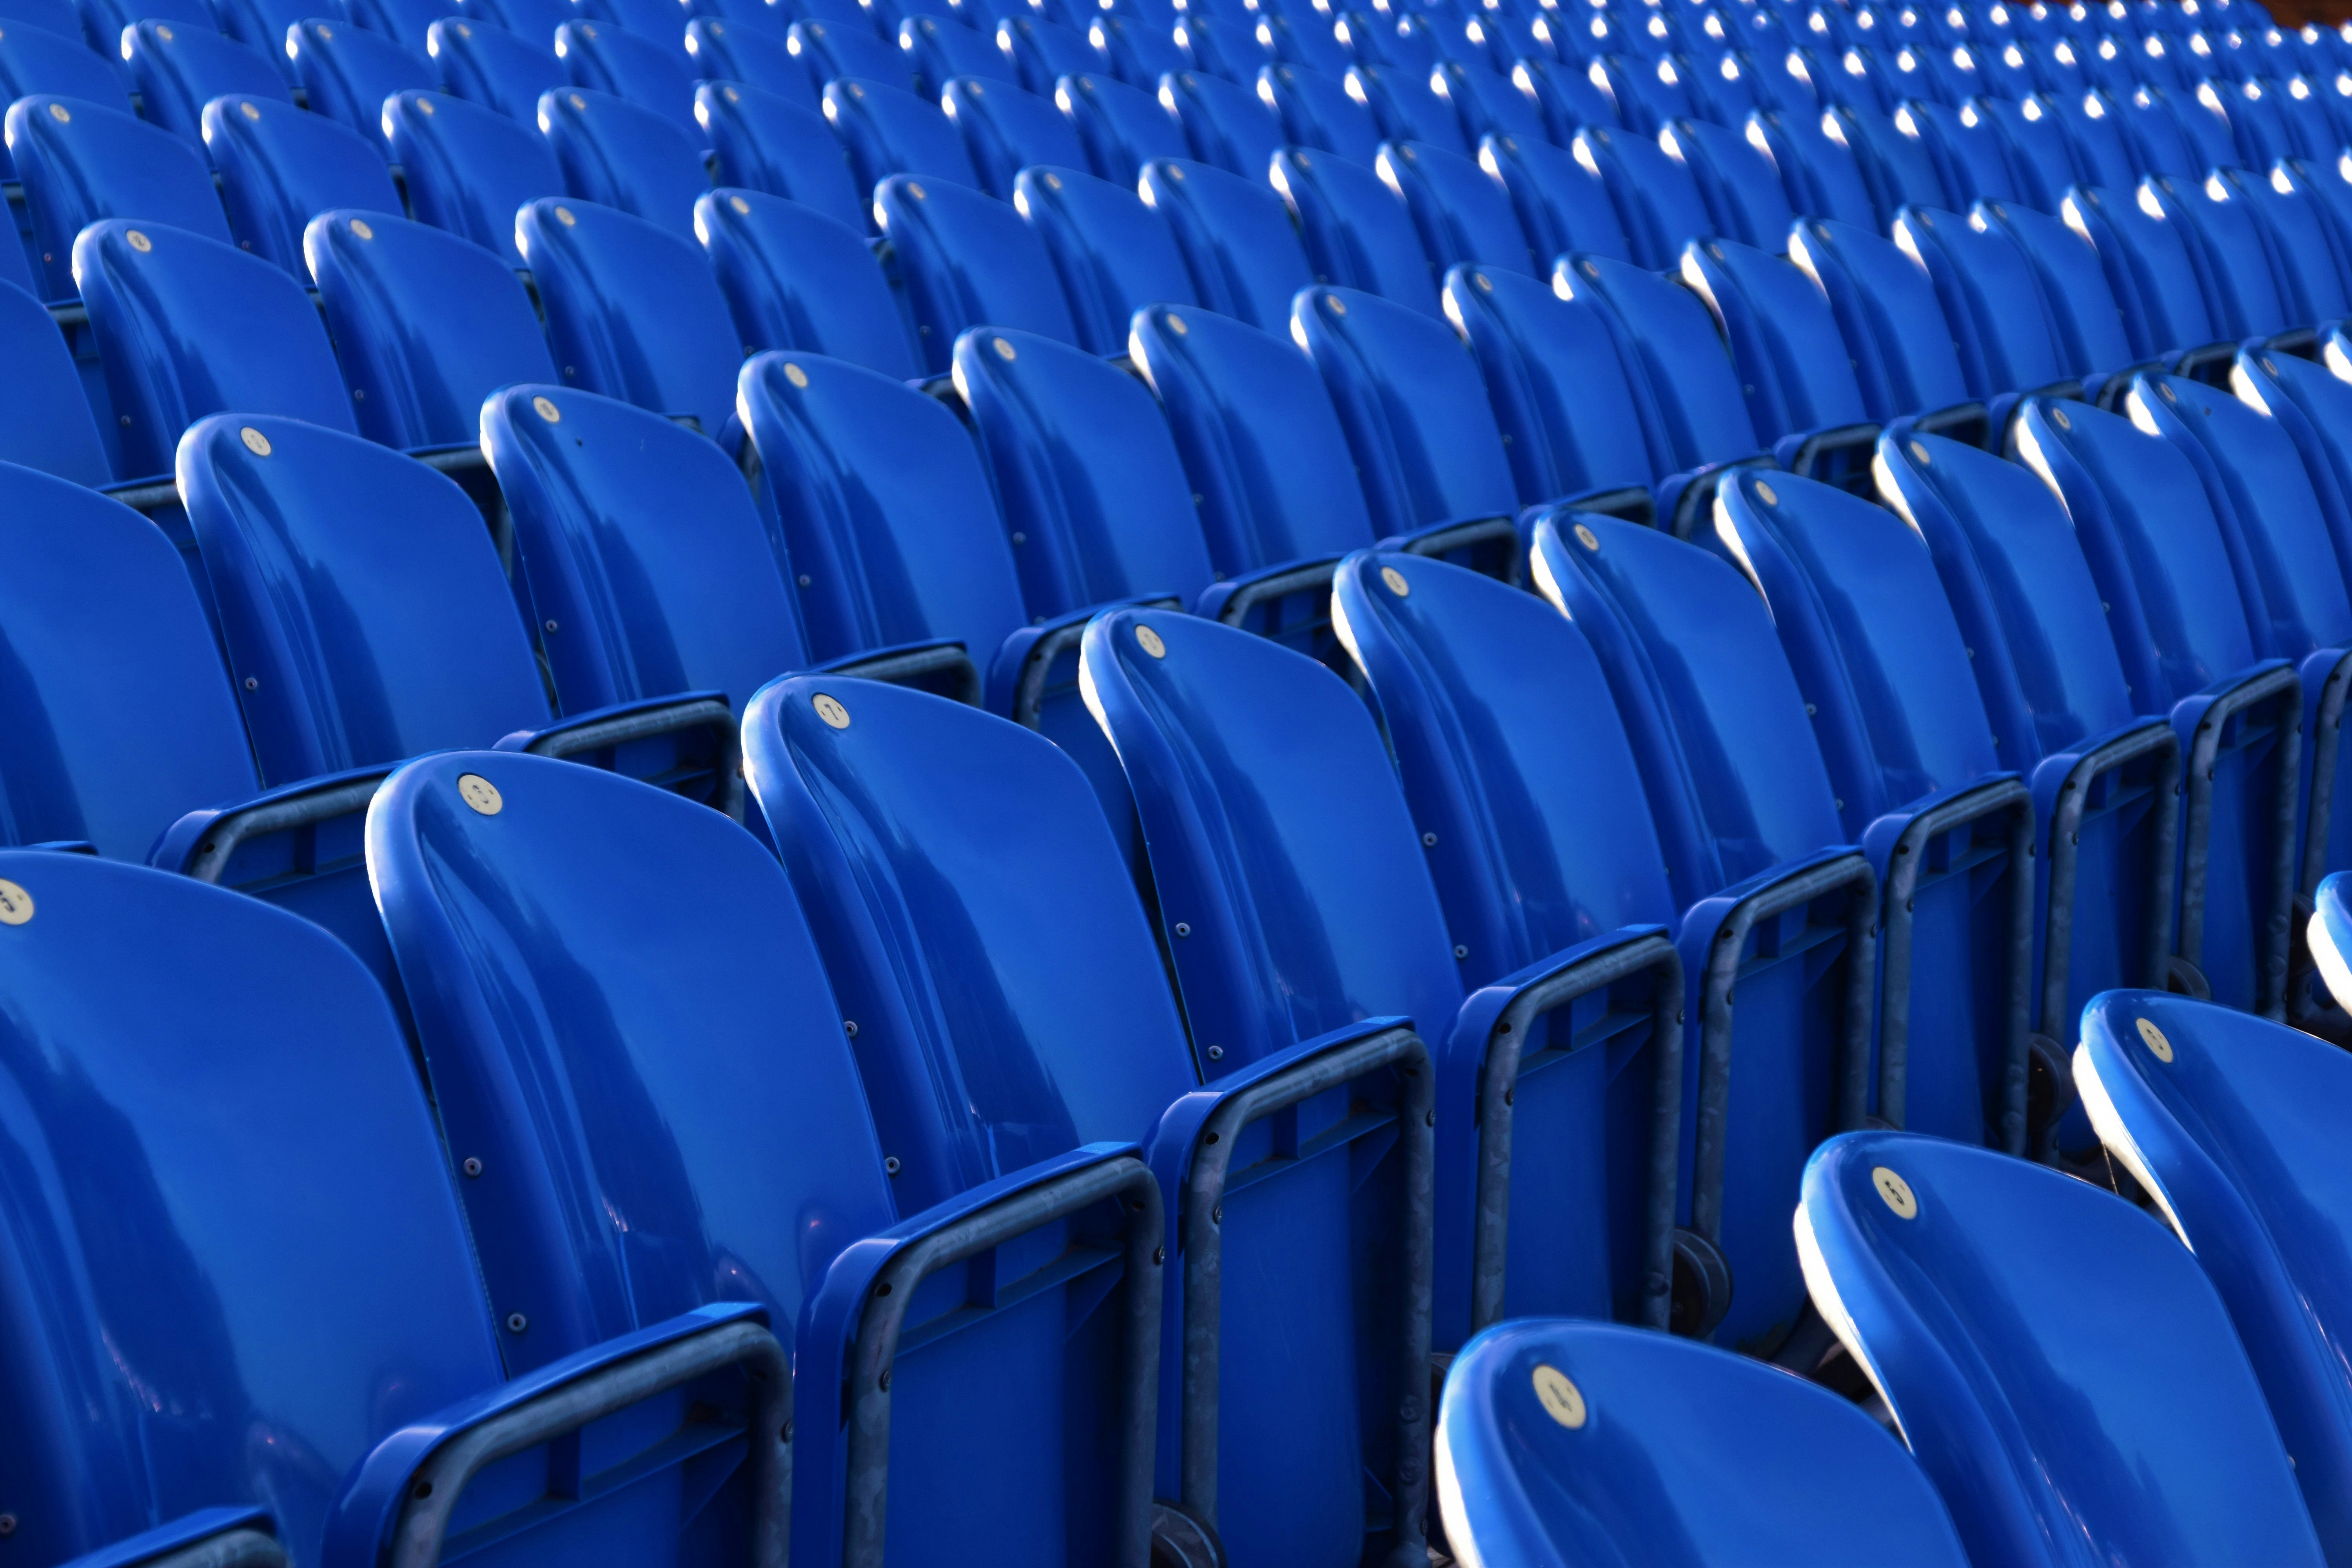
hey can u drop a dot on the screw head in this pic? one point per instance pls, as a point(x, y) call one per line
point(890, 1163)
point(7, 1524)
point(1429, 841)
point(251, 684)
point(849, 1027)
point(1182, 929)
point(517, 1323)
point(1216, 1053)
point(473, 1167)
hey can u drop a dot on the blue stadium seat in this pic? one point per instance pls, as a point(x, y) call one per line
point(45, 420)
point(1561, 92)
point(1407, 107)
point(532, 20)
point(1968, 152)
point(492, 67)
point(2162, 142)
point(280, 166)
point(1893, 328)
point(1657, 198)
point(1219, 46)
point(467, 167)
point(103, 21)
point(1237, 240)
point(658, 21)
point(405, 22)
point(2105, 153)
point(745, 52)
point(633, 311)
point(829, 51)
point(2233, 260)
point(2089, 323)
point(943, 49)
point(1803, 398)
point(1562, 206)
point(966, 259)
point(1043, 52)
point(629, 65)
point(1817, 171)
point(179, 70)
point(82, 163)
point(1135, 49)
point(261, 25)
point(797, 278)
point(622, 155)
point(1486, 103)
point(1006, 131)
point(2140, 1430)
point(2330, 935)
point(1462, 216)
point(1358, 231)
point(425, 325)
point(1113, 254)
point(889, 130)
point(1990, 299)
point(765, 143)
point(1551, 1429)
point(1894, 161)
point(35, 61)
point(803, 1222)
point(1123, 128)
point(348, 72)
point(1646, 95)
point(1315, 112)
point(1225, 123)
point(1738, 185)
point(1307, 41)
point(2293, 224)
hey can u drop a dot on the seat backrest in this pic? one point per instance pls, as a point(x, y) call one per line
point(45, 419)
point(1236, 237)
point(797, 278)
point(1783, 339)
point(648, 560)
point(2159, 142)
point(632, 310)
point(943, 49)
point(1657, 201)
point(494, 67)
point(2138, 235)
point(281, 167)
point(832, 50)
point(154, 1266)
point(102, 22)
point(34, 60)
point(404, 21)
point(2041, 158)
point(1564, 95)
point(1562, 205)
point(1649, 95)
point(1135, 49)
point(179, 70)
point(1463, 217)
point(619, 154)
point(2295, 231)
point(1221, 45)
point(966, 259)
point(766, 142)
point(361, 604)
point(1486, 103)
point(116, 685)
point(468, 167)
point(2084, 314)
point(82, 163)
point(751, 50)
point(1737, 185)
point(1358, 231)
point(1893, 159)
point(1409, 398)
point(887, 517)
point(630, 67)
point(1902, 351)
point(349, 71)
point(1259, 439)
point(888, 130)
point(1086, 470)
point(1558, 384)
point(656, 21)
point(1113, 254)
point(1703, 416)
point(1224, 123)
point(1006, 129)
point(1123, 127)
point(1565, 1440)
point(425, 326)
point(2058, 1363)
point(1970, 155)
point(1042, 51)
point(2164, 570)
point(534, 19)
point(1309, 40)
point(1990, 298)
point(260, 25)
point(188, 326)
point(1817, 171)
point(2314, 409)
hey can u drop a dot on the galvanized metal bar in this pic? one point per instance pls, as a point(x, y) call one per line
point(702, 713)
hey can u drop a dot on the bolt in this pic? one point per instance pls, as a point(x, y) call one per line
point(1460, 952)
point(550, 625)
point(1511, 1096)
point(1217, 1215)
point(7, 1524)
point(1429, 841)
point(849, 1027)
point(517, 1323)
point(251, 684)
point(1216, 1053)
point(890, 1163)
point(885, 1380)
point(1182, 929)
point(805, 579)
point(473, 1167)
point(1159, 1256)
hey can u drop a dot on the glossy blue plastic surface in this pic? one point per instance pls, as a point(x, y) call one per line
point(2314, 409)
point(1567, 99)
point(102, 22)
point(1654, 194)
point(795, 278)
point(2241, 291)
point(2082, 311)
point(82, 164)
point(1041, 51)
point(1006, 129)
point(426, 326)
point(188, 326)
point(943, 49)
point(348, 71)
point(2148, 266)
point(968, 259)
point(45, 421)
point(1358, 232)
point(1702, 416)
point(179, 70)
point(1674, 1454)
point(751, 53)
point(211, 1330)
point(1113, 254)
point(1486, 103)
point(2063, 1371)
point(280, 167)
point(492, 67)
point(1894, 162)
point(1783, 339)
point(1887, 312)
point(649, 570)
point(533, 19)
point(1737, 183)
point(2226, 1127)
point(1236, 237)
point(1987, 287)
point(1818, 172)
point(629, 65)
point(654, 21)
point(1463, 217)
point(622, 155)
point(766, 142)
point(832, 50)
point(34, 60)
point(1224, 123)
point(468, 167)
point(260, 25)
point(2295, 231)
point(1971, 158)
point(632, 310)
point(1123, 128)
point(888, 130)
point(1561, 206)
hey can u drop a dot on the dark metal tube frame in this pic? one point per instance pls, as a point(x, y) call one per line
point(1204, 1194)
point(2156, 741)
point(1029, 694)
point(1904, 865)
point(1698, 498)
point(1125, 1179)
point(231, 829)
point(1822, 444)
point(702, 712)
point(2327, 726)
point(433, 1490)
point(910, 667)
point(242, 1548)
point(1497, 1084)
point(1481, 531)
point(1847, 873)
point(1267, 590)
point(2281, 689)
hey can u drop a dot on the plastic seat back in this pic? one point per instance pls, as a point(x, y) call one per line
point(1562, 206)
point(2041, 158)
point(469, 168)
point(1408, 108)
point(765, 143)
point(45, 420)
point(2243, 295)
point(1409, 398)
point(1042, 51)
point(620, 155)
point(1221, 46)
point(260, 25)
point(1308, 41)
point(2159, 144)
point(1133, 49)
point(1971, 156)
point(750, 52)
point(1113, 254)
point(1006, 129)
point(102, 22)
point(1463, 217)
point(1315, 112)
point(1358, 231)
point(2147, 259)
point(2314, 409)
point(888, 130)
point(533, 19)
point(1123, 128)
point(635, 69)
point(425, 325)
point(281, 167)
point(82, 163)
point(632, 310)
point(642, 543)
point(1224, 123)
point(832, 50)
point(1648, 95)
point(1736, 184)
point(1526, 1473)
point(1566, 98)
point(1486, 103)
point(1987, 291)
point(2059, 1363)
point(887, 512)
point(36, 61)
point(968, 259)
point(1818, 172)
point(1894, 161)
point(1657, 198)
point(358, 596)
point(1783, 339)
point(406, 22)
point(2088, 322)
point(494, 67)
point(1887, 312)
point(655, 21)
point(1238, 240)
point(179, 70)
point(1703, 414)
point(348, 72)
point(943, 49)
point(2105, 152)
point(795, 278)
point(2294, 230)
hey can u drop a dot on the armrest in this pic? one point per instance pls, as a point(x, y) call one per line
point(1016, 676)
point(397, 1505)
point(1471, 533)
point(2201, 363)
point(850, 1327)
point(209, 1537)
point(1230, 602)
point(2327, 677)
point(1477, 1075)
point(603, 729)
point(2199, 722)
point(1633, 504)
point(2106, 388)
point(1684, 497)
point(201, 842)
point(1827, 454)
point(2002, 410)
point(943, 666)
point(144, 495)
point(2062, 788)
point(454, 458)
point(1964, 421)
